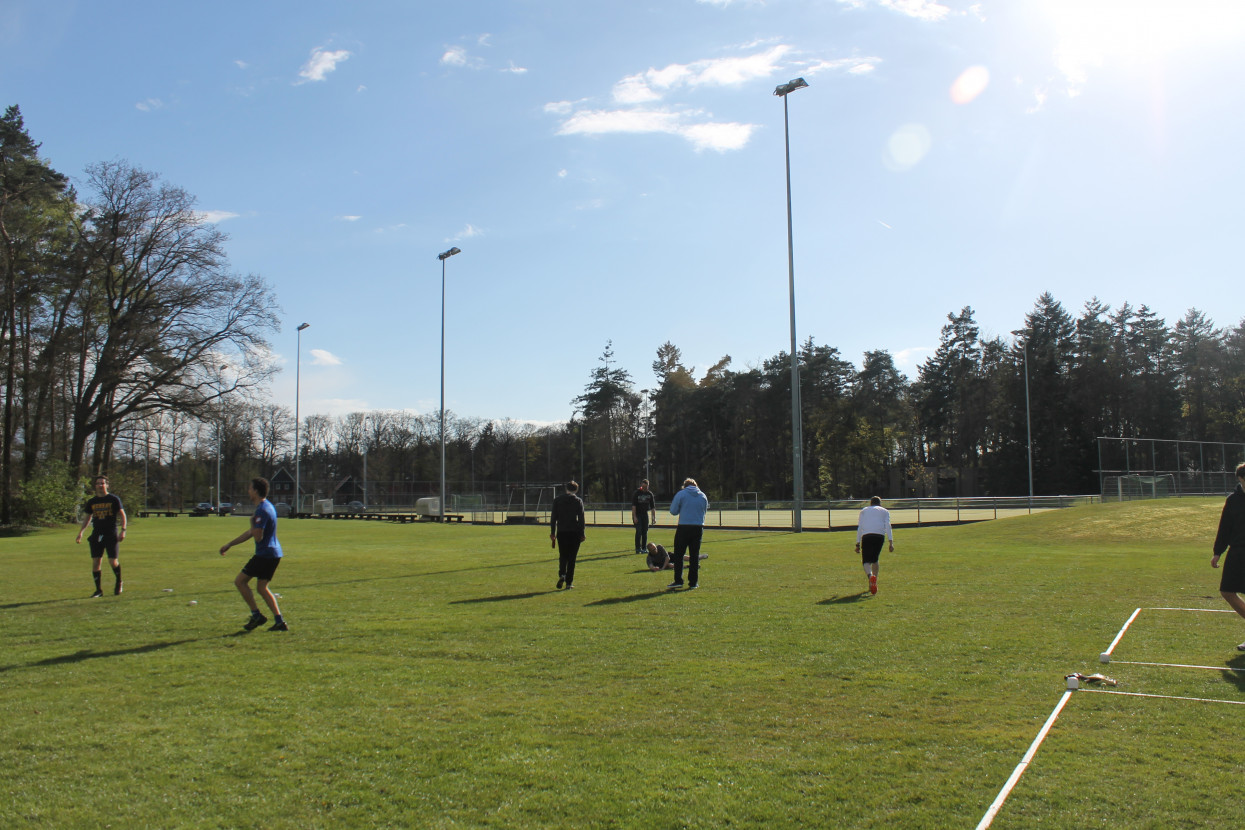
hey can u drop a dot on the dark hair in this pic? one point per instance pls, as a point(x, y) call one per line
point(105, 478)
point(1240, 470)
point(261, 486)
point(875, 501)
point(571, 487)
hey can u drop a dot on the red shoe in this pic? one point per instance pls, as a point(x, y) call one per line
point(873, 583)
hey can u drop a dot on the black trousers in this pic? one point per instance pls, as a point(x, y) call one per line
point(568, 550)
point(687, 540)
point(641, 532)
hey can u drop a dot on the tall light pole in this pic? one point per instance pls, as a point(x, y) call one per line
point(797, 431)
point(1029, 425)
point(645, 393)
point(298, 370)
point(443, 257)
point(220, 422)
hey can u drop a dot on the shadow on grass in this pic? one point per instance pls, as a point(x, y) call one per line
point(10, 605)
point(632, 598)
point(502, 597)
point(1234, 675)
point(88, 654)
point(9, 531)
point(847, 598)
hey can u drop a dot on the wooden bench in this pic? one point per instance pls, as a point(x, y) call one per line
point(143, 514)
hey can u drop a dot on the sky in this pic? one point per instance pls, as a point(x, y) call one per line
point(613, 172)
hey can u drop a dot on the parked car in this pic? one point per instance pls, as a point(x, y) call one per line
point(203, 508)
point(355, 507)
point(226, 508)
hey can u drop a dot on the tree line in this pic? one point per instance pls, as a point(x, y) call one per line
point(127, 342)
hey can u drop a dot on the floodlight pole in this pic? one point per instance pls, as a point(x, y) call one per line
point(298, 371)
point(797, 431)
point(219, 423)
point(1029, 425)
point(645, 393)
point(443, 257)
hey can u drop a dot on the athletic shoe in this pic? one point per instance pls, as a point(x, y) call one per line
point(569, 586)
point(873, 583)
point(117, 590)
point(98, 593)
point(255, 622)
point(560, 583)
point(281, 626)
point(1241, 647)
point(675, 585)
point(693, 585)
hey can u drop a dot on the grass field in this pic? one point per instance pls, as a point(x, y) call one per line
point(433, 677)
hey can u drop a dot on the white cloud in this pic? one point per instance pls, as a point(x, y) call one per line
point(321, 63)
point(559, 108)
point(515, 70)
point(241, 64)
point(703, 136)
point(927, 10)
point(455, 56)
point(214, 216)
point(320, 357)
point(467, 232)
point(653, 84)
point(349, 218)
point(910, 358)
point(562, 174)
point(150, 104)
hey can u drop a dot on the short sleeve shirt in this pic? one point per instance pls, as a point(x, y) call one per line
point(104, 512)
point(265, 519)
point(644, 502)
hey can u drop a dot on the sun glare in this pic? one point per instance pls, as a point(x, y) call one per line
point(1095, 33)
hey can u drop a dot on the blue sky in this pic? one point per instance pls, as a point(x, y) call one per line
point(613, 171)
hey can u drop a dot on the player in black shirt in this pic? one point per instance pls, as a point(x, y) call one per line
point(566, 532)
point(1231, 537)
point(643, 513)
point(103, 511)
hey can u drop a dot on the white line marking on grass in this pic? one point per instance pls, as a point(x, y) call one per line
point(1166, 697)
point(1116, 641)
point(1207, 610)
point(1174, 665)
point(1024, 762)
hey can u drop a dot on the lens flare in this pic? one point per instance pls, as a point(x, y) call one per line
point(971, 83)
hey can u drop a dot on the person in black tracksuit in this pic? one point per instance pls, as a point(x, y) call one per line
point(643, 514)
point(566, 532)
point(1231, 537)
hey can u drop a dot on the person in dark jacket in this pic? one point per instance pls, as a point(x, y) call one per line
point(566, 532)
point(1231, 537)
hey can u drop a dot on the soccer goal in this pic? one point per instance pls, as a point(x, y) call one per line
point(747, 500)
point(1131, 487)
point(528, 503)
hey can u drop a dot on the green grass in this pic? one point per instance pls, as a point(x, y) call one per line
point(433, 677)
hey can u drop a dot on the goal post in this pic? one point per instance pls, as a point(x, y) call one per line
point(747, 500)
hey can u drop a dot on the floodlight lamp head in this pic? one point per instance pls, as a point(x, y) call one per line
point(304, 326)
point(783, 90)
point(443, 257)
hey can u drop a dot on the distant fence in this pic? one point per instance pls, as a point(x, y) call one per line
point(1148, 468)
point(838, 515)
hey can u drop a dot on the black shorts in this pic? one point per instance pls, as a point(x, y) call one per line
point(871, 547)
point(1233, 578)
point(101, 545)
point(262, 567)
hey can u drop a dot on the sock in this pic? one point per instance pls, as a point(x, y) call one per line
point(117, 571)
point(277, 619)
point(96, 575)
point(868, 573)
point(256, 614)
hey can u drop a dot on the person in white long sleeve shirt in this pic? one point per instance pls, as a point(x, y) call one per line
point(872, 529)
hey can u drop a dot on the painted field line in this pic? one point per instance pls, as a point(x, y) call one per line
point(1165, 697)
point(1207, 610)
point(1116, 641)
point(1024, 762)
point(1174, 665)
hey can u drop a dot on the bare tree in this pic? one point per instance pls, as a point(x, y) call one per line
point(160, 310)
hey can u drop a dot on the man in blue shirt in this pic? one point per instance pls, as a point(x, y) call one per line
point(690, 505)
point(263, 564)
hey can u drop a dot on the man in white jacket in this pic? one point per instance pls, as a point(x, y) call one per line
point(872, 528)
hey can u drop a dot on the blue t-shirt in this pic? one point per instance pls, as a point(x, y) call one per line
point(265, 518)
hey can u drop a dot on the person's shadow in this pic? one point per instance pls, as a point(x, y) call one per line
point(632, 598)
point(845, 599)
point(502, 597)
